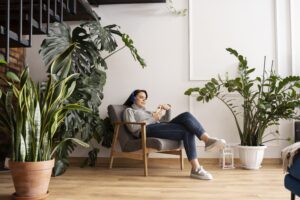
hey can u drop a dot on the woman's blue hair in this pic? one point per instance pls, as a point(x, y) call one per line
point(130, 100)
point(132, 97)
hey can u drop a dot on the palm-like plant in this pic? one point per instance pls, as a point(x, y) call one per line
point(31, 113)
point(86, 45)
point(266, 99)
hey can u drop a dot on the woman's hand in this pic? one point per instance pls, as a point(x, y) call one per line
point(156, 115)
point(165, 106)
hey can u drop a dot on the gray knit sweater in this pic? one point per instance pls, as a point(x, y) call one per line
point(138, 114)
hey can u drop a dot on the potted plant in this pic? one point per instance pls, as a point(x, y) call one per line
point(31, 113)
point(93, 44)
point(266, 100)
point(4, 137)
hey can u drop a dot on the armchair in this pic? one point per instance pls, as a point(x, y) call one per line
point(138, 148)
point(292, 179)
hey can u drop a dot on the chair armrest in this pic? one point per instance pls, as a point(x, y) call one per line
point(142, 124)
point(123, 123)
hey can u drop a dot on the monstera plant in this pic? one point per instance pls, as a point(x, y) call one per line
point(89, 45)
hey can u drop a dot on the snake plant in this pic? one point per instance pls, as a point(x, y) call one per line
point(32, 113)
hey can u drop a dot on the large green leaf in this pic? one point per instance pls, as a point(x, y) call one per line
point(28, 140)
point(37, 128)
point(58, 40)
point(12, 76)
point(61, 65)
point(22, 148)
point(3, 61)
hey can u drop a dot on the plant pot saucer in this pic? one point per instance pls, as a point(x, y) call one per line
point(246, 167)
point(44, 196)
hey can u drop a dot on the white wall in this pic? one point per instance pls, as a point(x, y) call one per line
point(295, 27)
point(163, 40)
point(247, 26)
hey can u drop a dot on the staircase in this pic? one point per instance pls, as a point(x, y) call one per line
point(102, 2)
point(21, 19)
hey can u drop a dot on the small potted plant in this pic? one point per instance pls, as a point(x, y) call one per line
point(31, 113)
point(266, 100)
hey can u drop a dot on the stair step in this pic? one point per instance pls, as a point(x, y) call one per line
point(14, 39)
point(102, 2)
point(73, 10)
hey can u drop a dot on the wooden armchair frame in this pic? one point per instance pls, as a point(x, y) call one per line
point(144, 152)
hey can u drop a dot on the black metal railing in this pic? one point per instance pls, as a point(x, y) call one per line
point(29, 17)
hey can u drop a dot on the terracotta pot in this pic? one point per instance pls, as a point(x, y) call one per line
point(31, 179)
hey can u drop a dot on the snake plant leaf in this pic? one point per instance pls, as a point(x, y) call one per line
point(70, 90)
point(45, 144)
point(61, 65)
point(28, 139)
point(75, 140)
point(8, 104)
point(24, 77)
point(77, 107)
point(22, 148)
point(54, 124)
point(37, 125)
point(16, 92)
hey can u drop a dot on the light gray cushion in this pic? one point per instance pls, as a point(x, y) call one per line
point(129, 143)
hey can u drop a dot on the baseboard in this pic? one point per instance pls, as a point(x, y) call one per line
point(159, 162)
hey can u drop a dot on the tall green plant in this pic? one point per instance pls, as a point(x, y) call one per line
point(4, 135)
point(266, 99)
point(89, 45)
point(32, 113)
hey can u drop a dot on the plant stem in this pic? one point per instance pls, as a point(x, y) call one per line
point(114, 52)
point(236, 120)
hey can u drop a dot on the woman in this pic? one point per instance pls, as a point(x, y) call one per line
point(184, 127)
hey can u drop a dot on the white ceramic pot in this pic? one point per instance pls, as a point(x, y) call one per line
point(251, 157)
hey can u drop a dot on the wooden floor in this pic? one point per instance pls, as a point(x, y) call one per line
point(165, 181)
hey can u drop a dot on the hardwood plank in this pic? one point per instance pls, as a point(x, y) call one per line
point(159, 162)
point(165, 181)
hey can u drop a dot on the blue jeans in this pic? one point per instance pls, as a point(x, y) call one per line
point(183, 127)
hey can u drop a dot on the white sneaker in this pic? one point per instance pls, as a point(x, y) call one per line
point(200, 173)
point(214, 144)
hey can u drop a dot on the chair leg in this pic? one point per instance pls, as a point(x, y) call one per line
point(181, 160)
point(145, 151)
point(292, 196)
point(111, 161)
point(145, 164)
point(116, 134)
